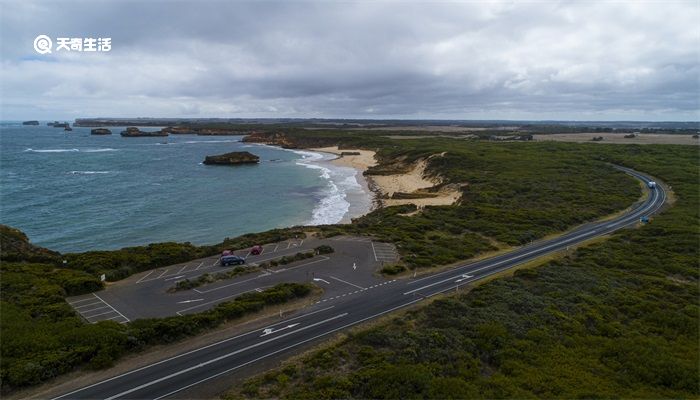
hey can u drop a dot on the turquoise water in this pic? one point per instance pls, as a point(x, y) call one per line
point(71, 191)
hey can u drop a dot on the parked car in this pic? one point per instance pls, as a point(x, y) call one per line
point(231, 260)
point(226, 253)
point(256, 250)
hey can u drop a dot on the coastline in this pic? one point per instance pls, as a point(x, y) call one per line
point(385, 186)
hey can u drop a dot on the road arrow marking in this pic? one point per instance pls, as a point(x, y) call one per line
point(463, 278)
point(354, 266)
point(189, 301)
point(270, 331)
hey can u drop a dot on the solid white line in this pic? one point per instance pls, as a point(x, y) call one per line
point(191, 351)
point(278, 245)
point(97, 315)
point(285, 348)
point(91, 310)
point(200, 264)
point(88, 305)
point(127, 319)
point(374, 251)
point(346, 282)
point(215, 301)
point(162, 273)
point(79, 301)
point(175, 277)
point(632, 216)
point(183, 268)
point(145, 276)
point(213, 360)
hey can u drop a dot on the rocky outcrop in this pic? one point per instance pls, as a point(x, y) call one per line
point(289, 140)
point(133, 131)
point(100, 131)
point(30, 123)
point(67, 128)
point(233, 158)
point(60, 124)
point(179, 130)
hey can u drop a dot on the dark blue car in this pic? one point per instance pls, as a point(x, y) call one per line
point(231, 260)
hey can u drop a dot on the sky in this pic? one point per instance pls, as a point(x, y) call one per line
point(587, 60)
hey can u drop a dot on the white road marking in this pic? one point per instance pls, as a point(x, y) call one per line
point(175, 277)
point(200, 264)
point(97, 315)
point(81, 300)
point(145, 276)
point(374, 251)
point(88, 305)
point(162, 274)
point(183, 268)
point(190, 352)
point(189, 301)
point(214, 301)
point(321, 280)
point(91, 310)
point(346, 282)
point(278, 245)
point(224, 356)
point(464, 277)
point(270, 331)
point(127, 319)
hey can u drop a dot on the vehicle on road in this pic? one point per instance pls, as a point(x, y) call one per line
point(651, 184)
point(256, 250)
point(231, 260)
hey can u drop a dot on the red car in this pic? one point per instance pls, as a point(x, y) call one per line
point(256, 250)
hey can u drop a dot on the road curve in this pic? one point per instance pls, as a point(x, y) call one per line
point(170, 376)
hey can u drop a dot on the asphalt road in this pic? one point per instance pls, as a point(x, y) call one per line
point(175, 376)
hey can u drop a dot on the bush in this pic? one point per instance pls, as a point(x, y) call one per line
point(393, 269)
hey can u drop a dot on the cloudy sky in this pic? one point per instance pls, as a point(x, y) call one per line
point(589, 60)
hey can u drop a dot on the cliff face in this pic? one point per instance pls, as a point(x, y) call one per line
point(185, 130)
point(273, 138)
point(290, 141)
point(233, 158)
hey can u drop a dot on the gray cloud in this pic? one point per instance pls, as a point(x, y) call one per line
point(545, 60)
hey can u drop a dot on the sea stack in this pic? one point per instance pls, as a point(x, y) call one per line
point(100, 131)
point(133, 131)
point(233, 158)
point(30, 123)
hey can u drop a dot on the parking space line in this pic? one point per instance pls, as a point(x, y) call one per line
point(162, 273)
point(374, 251)
point(88, 305)
point(200, 264)
point(91, 310)
point(278, 245)
point(97, 315)
point(214, 301)
point(127, 319)
point(346, 282)
point(145, 276)
point(81, 300)
point(183, 268)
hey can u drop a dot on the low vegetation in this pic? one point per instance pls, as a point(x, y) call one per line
point(42, 337)
point(616, 319)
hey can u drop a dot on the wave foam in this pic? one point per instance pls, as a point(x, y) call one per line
point(51, 151)
point(89, 172)
point(30, 150)
point(333, 205)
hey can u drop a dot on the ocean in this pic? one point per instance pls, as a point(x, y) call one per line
point(72, 191)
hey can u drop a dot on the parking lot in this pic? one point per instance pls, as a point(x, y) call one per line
point(349, 270)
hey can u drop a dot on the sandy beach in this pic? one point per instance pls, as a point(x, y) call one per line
point(386, 185)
